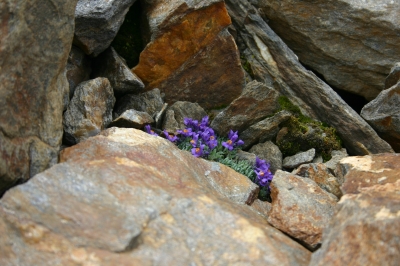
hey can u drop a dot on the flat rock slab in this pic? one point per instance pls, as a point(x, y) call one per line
point(365, 171)
point(129, 198)
point(298, 159)
point(132, 119)
point(300, 207)
point(365, 229)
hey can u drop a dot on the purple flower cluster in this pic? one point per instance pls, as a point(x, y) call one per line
point(264, 175)
point(233, 141)
point(149, 130)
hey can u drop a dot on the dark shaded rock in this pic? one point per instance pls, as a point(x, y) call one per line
point(78, 69)
point(383, 114)
point(256, 102)
point(149, 101)
point(364, 171)
point(336, 156)
point(111, 66)
point(394, 76)
point(35, 39)
point(269, 152)
point(300, 207)
point(90, 110)
point(339, 40)
point(264, 130)
point(160, 115)
point(315, 98)
point(132, 119)
point(321, 175)
point(121, 198)
point(298, 159)
point(188, 54)
point(97, 23)
point(365, 229)
point(177, 112)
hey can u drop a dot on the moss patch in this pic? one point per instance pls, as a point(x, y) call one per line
point(128, 43)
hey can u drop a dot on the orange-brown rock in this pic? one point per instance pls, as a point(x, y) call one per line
point(127, 198)
point(194, 58)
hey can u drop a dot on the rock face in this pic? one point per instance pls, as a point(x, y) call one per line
point(191, 55)
point(340, 40)
point(121, 198)
point(269, 152)
point(298, 159)
point(78, 69)
point(176, 114)
point(32, 82)
point(97, 23)
point(256, 102)
point(393, 77)
point(111, 66)
point(132, 119)
point(282, 70)
point(383, 114)
point(300, 207)
point(90, 110)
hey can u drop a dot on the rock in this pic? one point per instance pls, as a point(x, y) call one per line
point(283, 71)
point(90, 110)
point(97, 23)
point(191, 55)
point(149, 101)
point(383, 114)
point(264, 130)
point(269, 152)
point(365, 171)
point(160, 115)
point(132, 119)
point(320, 174)
point(123, 81)
point(300, 208)
point(178, 112)
point(35, 39)
point(318, 159)
point(247, 156)
point(78, 69)
point(393, 77)
point(298, 159)
point(365, 229)
point(327, 39)
point(256, 102)
point(127, 198)
point(261, 207)
point(336, 156)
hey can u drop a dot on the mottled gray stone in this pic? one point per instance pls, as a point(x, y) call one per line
point(132, 119)
point(337, 155)
point(269, 152)
point(181, 110)
point(291, 162)
point(393, 77)
point(78, 69)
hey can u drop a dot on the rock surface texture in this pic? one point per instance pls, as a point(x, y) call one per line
point(121, 198)
point(393, 77)
point(132, 119)
point(78, 69)
point(32, 84)
point(352, 43)
point(298, 159)
point(177, 112)
point(90, 110)
point(283, 71)
point(191, 55)
point(98, 22)
point(383, 114)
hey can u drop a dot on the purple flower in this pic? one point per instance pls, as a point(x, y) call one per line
point(264, 175)
point(150, 131)
point(190, 123)
point(198, 152)
point(193, 141)
point(212, 142)
point(169, 137)
point(187, 132)
point(232, 141)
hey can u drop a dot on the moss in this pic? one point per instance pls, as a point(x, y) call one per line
point(128, 43)
point(304, 133)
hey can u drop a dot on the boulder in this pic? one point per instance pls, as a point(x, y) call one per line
point(264, 130)
point(291, 162)
point(35, 39)
point(132, 119)
point(340, 40)
point(365, 171)
point(383, 114)
point(300, 208)
point(303, 88)
point(191, 55)
point(128, 198)
point(78, 69)
point(365, 229)
point(393, 77)
point(256, 102)
point(97, 23)
point(177, 112)
point(90, 110)
point(111, 66)
point(149, 101)
point(269, 152)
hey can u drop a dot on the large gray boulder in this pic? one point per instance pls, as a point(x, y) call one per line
point(97, 23)
point(352, 43)
point(303, 88)
point(35, 39)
